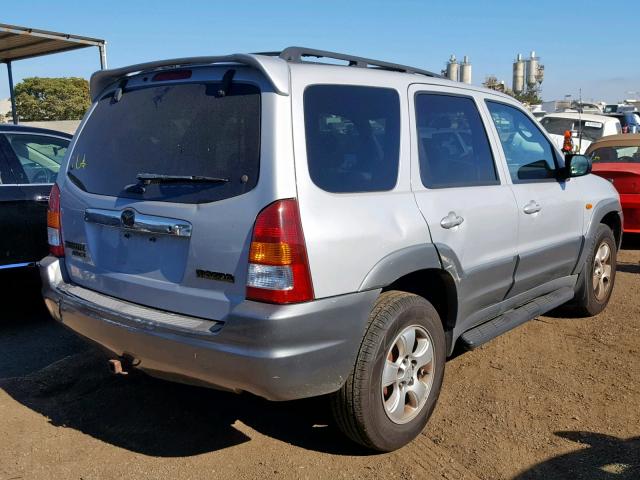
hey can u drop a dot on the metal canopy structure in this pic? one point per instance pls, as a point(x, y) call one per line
point(19, 43)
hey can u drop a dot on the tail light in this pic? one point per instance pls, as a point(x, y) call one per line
point(278, 264)
point(54, 225)
point(567, 146)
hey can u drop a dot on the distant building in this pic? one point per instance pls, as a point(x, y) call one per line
point(5, 108)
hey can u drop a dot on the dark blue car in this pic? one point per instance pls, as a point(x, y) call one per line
point(630, 121)
point(29, 162)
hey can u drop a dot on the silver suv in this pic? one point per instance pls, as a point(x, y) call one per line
point(268, 224)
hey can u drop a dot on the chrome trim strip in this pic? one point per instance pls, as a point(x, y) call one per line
point(26, 184)
point(39, 134)
point(17, 265)
point(141, 223)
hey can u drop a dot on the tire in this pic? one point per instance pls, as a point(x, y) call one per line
point(363, 407)
point(587, 302)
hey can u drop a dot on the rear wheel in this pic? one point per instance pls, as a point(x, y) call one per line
point(598, 275)
point(392, 391)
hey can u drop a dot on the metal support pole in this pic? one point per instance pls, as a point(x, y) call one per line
point(103, 55)
point(14, 113)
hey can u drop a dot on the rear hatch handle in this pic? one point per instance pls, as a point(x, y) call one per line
point(129, 219)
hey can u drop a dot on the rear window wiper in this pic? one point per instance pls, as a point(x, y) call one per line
point(149, 178)
point(75, 179)
point(145, 179)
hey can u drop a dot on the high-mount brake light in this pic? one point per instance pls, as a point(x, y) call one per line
point(172, 75)
point(54, 224)
point(278, 263)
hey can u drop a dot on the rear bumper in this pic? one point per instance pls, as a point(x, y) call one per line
point(276, 352)
point(631, 209)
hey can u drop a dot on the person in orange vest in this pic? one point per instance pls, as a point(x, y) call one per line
point(567, 146)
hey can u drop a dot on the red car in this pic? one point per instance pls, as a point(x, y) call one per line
point(617, 158)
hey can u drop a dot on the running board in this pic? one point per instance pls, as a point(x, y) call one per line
point(487, 331)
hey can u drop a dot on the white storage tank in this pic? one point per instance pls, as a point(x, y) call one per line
point(465, 71)
point(518, 75)
point(452, 68)
point(532, 70)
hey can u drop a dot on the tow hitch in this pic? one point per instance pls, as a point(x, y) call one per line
point(121, 366)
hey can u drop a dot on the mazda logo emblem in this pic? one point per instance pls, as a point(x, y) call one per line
point(128, 218)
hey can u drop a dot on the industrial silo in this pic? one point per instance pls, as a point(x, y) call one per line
point(465, 71)
point(532, 70)
point(452, 68)
point(518, 74)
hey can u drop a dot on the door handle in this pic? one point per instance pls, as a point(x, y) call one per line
point(531, 207)
point(451, 220)
point(41, 198)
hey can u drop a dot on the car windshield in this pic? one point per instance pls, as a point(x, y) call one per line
point(557, 126)
point(39, 155)
point(616, 155)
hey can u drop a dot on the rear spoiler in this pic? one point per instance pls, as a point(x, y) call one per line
point(275, 69)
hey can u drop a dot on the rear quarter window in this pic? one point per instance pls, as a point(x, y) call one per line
point(352, 137)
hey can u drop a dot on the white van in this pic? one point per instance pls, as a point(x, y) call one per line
point(585, 128)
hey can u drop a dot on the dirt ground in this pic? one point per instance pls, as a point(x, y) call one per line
point(557, 398)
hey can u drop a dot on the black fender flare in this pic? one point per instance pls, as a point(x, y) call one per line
point(400, 263)
point(600, 210)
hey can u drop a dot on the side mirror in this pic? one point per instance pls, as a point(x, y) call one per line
point(576, 165)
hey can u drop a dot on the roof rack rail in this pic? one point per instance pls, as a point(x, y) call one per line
point(297, 54)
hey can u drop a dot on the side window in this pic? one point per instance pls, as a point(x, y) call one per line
point(453, 147)
point(353, 137)
point(529, 154)
point(39, 155)
point(5, 173)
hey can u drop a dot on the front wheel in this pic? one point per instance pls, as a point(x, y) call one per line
point(393, 388)
point(596, 281)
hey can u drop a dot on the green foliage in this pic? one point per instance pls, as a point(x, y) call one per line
point(529, 97)
point(39, 98)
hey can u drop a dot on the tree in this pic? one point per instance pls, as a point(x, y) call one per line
point(493, 83)
point(529, 97)
point(39, 98)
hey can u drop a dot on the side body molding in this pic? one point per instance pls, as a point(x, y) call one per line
point(400, 263)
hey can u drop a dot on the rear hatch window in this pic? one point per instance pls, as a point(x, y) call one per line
point(616, 155)
point(588, 129)
point(168, 131)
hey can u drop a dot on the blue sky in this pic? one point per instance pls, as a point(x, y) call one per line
point(583, 44)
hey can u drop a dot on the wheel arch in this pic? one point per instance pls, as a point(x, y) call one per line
point(614, 222)
point(418, 269)
point(435, 285)
point(607, 212)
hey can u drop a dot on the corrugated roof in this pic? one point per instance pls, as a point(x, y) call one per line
point(17, 43)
